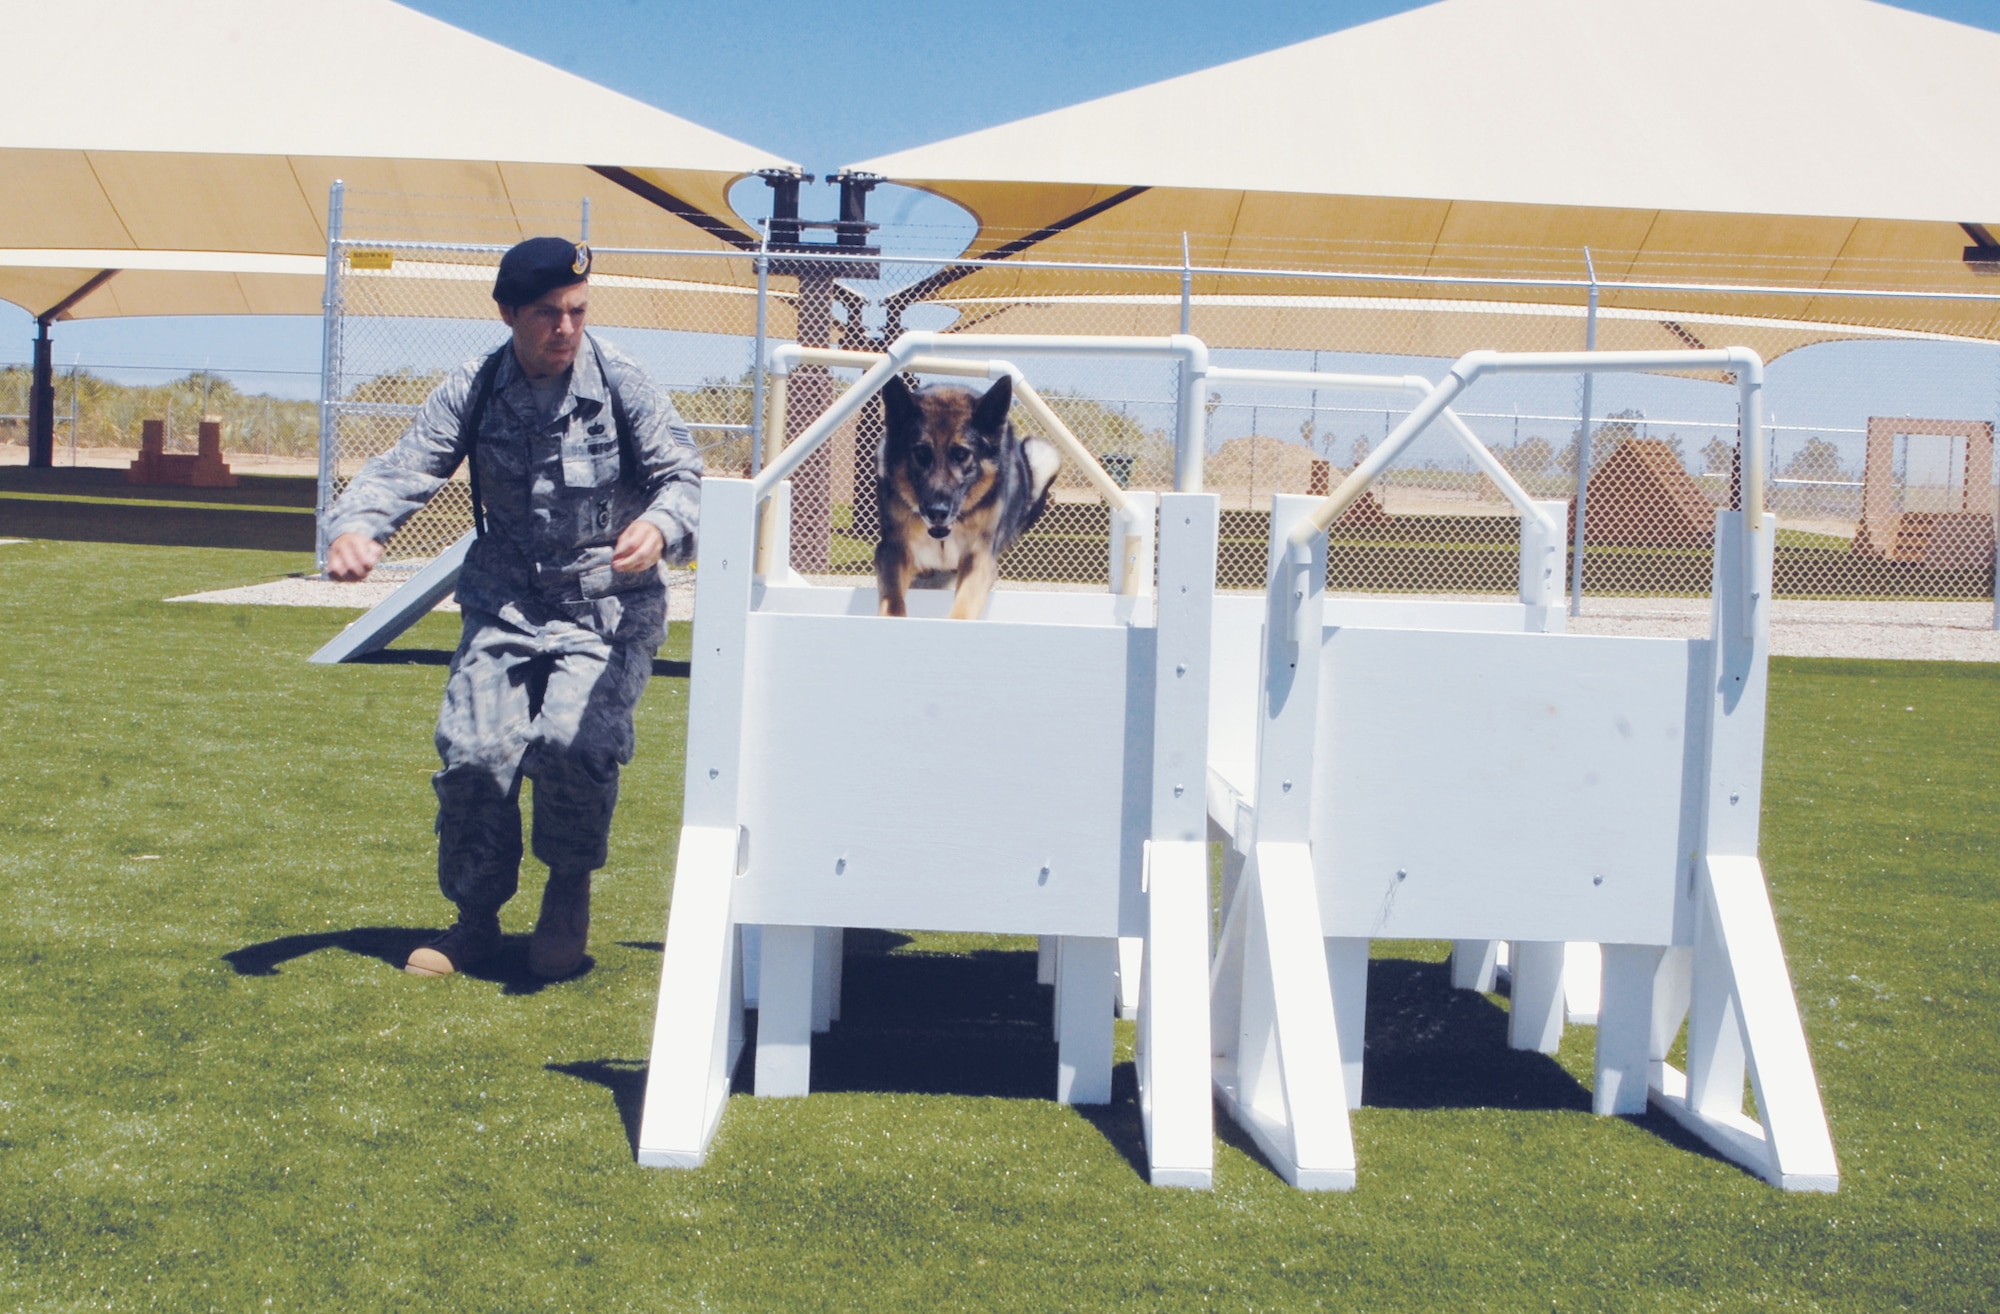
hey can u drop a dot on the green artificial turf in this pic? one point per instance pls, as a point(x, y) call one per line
point(217, 1091)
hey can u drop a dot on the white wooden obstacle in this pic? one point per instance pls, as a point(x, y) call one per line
point(1477, 780)
point(1037, 771)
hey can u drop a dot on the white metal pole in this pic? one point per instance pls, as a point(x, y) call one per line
point(1187, 286)
point(329, 368)
point(1187, 448)
point(74, 361)
point(757, 365)
point(586, 220)
point(1583, 447)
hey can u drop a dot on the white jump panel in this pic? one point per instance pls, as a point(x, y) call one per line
point(1504, 786)
point(950, 806)
point(1237, 653)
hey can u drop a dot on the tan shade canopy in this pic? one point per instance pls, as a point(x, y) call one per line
point(1803, 143)
point(205, 137)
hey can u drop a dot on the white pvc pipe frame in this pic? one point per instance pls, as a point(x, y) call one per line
point(918, 350)
point(1189, 439)
point(789, 356)
point(1746, 364)
point(1481, 455)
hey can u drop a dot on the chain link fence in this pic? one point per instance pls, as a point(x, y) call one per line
point(1879, 434)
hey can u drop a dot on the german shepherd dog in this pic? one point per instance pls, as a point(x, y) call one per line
point(955, 487)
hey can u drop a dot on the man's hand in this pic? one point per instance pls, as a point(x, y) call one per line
point(350, 557)
point(639, 548)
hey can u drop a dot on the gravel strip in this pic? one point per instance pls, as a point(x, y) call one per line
point(1909, 631)
point(314, 591)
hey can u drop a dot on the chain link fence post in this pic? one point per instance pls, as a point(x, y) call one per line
point(329, 372)
point(1583, 448)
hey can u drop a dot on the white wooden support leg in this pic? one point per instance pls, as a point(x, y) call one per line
point(829, 942)
point(697, 1031)
point(1285, 1088)
point(1716, 1063)
point(1131, 970)
point(1474, 964)
point(1085, 995)
point(1743, 1018)
point(1781, 1071)
point(784, 1012)
point(1583, 975)
point(1624, 1027)
point(1045, 960)
point(1535, 1015)
point(1347, 973)
point(1175, 1104)
point(698, 1024)
point(1165, 976)
point(1671, 988)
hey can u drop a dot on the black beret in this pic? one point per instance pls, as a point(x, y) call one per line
point(539, 265)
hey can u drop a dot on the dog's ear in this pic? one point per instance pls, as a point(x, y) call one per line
point(990, 416)
point(901, 417)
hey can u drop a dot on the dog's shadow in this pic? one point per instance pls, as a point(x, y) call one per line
point(391, 946)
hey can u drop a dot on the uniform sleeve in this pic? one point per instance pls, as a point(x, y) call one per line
point(669, 465)
point(392, 486)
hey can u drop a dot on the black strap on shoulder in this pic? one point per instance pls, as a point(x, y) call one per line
point(482, 392)
point(468, 430)
point(628, 457)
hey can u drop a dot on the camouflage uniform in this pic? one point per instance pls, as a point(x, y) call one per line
point(556, 645)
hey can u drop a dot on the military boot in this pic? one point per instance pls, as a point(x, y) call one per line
point(563, 929)
point(471, 941)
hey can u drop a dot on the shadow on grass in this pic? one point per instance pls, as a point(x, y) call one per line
point(972, 1024)
point(391, 946)
point(157, 526)
point(1429, 1046)
point(978, 1025)
point(626, 1080)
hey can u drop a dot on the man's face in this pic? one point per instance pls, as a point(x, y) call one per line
point(549, 329)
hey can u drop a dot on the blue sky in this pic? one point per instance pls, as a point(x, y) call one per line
point(825, 84)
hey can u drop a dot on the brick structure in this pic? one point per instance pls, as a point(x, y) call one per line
point(1958, 532)
point(1642, 496)
point(1366, 513)
point(156, 465)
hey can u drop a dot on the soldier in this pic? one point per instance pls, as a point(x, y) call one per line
point(583, 478)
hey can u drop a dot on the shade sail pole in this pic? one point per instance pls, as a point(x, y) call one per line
point(42, 390)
